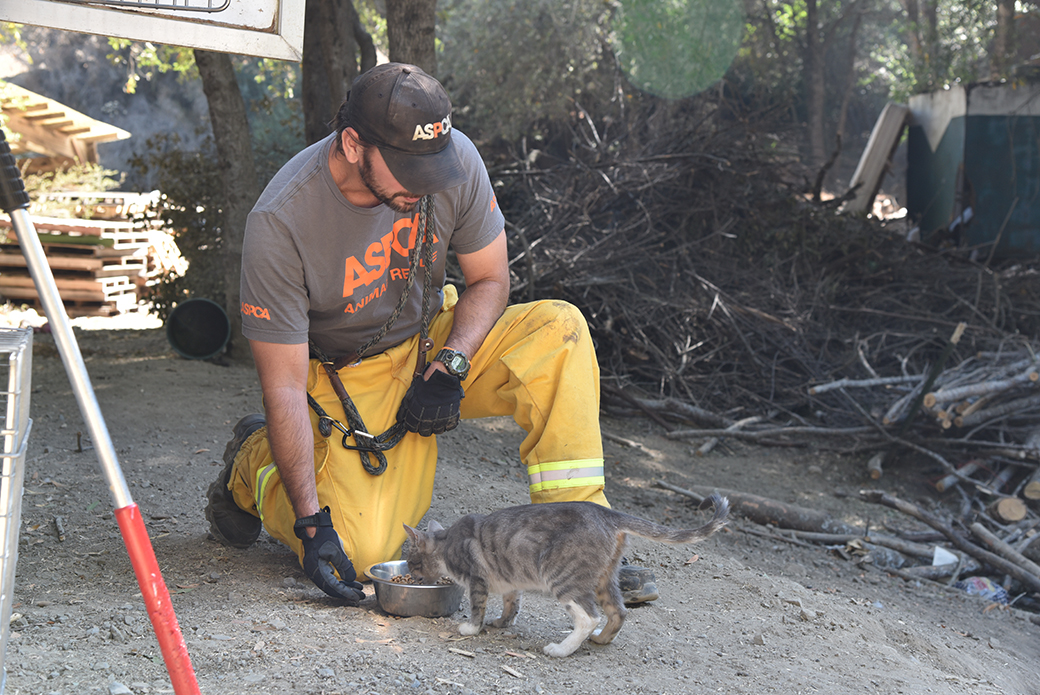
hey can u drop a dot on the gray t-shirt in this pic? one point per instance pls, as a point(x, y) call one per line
point(315, 266)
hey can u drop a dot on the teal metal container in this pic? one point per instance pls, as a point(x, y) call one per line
point(973, 165)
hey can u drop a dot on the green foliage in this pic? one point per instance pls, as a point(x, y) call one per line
point(956, 53)
point(275, 115)
point(11, 33)
point(192, 211)
point(510, 64)
point(675, 48)
point(375, 22)
point(90, 178)
point(143, 60)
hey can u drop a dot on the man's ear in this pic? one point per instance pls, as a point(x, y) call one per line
point(351, 143)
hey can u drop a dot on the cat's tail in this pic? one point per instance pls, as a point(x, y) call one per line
point(663, 534)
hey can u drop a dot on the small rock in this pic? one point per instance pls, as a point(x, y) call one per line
point(794, 569)
point(807, 615)
point(117, 688)
point(289, 582)
point(253, 678)
point(994, 643)
point(278, 624)
point(326, 673)
point(100, 666)
point(759, 640)
point(116, 634)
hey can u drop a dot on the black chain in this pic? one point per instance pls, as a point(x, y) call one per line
point(365, 443)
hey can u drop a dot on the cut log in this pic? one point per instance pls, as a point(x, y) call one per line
point(1003, 549)
point(874, 465)
point(1031, 491)
point(765, 511)
point(1015, 406)
point(980, 389)
point(712, 442)
point(1009, 509)
point(935, 572)
point(948, 481)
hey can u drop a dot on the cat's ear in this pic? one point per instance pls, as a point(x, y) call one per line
point(434, 527)
point(412, 533)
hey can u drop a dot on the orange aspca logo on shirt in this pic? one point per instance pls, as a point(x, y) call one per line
point(374, 266)
point(257, 311)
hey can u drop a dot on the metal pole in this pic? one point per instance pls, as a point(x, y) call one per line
point(14, 202)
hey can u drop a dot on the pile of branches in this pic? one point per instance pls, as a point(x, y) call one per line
point(720, 295)
point(998, 565)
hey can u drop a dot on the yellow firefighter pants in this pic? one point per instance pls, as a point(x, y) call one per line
point(537, 364)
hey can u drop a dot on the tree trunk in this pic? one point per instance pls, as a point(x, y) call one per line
point(332, 37)
point(365, 43)
point(227, 115)
point(814, 84)
point(314, 83)
point(338, 49)
point(913, 38)
point(930, 12)
point(410, 32)
point(1003, 40)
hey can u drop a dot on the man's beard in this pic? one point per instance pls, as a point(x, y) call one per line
point(391, 200)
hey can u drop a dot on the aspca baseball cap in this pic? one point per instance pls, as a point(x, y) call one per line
point(407, 114)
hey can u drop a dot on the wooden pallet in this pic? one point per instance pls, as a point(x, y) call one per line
point(100, 266)
point(115, 234)
point(108, 205)
point(98, 261)
point(74, 308)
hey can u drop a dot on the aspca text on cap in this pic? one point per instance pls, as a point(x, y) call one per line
point(432, 130)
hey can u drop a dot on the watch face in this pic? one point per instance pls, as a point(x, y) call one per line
point(457, 362)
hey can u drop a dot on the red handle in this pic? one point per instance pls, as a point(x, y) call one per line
point(157, 600)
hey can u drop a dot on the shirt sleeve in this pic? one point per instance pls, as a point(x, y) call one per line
point(274, 296)
point(478, 218)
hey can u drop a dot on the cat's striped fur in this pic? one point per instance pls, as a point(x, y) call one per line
point(570, 550)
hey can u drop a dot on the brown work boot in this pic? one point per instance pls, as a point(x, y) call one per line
point(228, 523)
point(637, 584)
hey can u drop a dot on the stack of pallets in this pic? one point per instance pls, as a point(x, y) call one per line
point(102, 265)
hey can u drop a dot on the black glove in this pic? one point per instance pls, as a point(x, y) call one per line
point(323, 553)
point(431, 406)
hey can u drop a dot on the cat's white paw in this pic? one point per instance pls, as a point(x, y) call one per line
point(469, 629)
point(558, 650)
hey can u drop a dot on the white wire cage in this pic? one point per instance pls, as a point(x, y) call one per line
point(15, 379)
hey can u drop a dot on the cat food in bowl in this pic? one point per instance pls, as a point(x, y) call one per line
point(399, 594)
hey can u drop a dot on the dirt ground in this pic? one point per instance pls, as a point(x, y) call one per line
point(738, 614)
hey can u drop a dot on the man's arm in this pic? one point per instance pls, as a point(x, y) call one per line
point(481, 304)
point(283, 378)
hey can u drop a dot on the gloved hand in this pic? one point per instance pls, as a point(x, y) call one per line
point(431, 406)
point(323, 553)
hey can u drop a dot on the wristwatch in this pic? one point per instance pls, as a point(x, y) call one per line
point(454, 361)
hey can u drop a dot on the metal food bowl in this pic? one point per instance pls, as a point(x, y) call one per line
point(429, 601)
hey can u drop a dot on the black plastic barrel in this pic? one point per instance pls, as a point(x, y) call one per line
point(198, 329)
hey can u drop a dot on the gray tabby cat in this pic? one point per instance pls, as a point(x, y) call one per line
point(570, 550)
